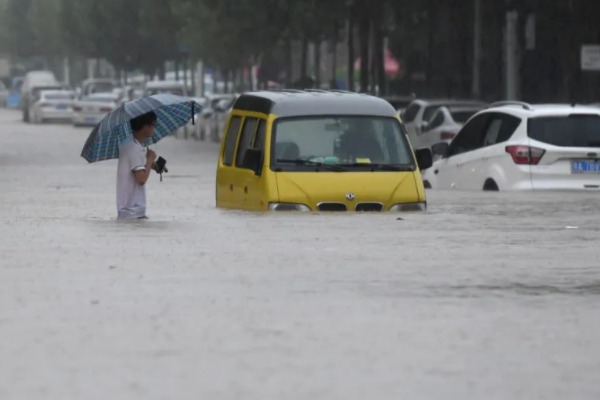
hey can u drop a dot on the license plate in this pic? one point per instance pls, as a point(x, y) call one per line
point(61, 107)
point(587, 166)
point(90, 120)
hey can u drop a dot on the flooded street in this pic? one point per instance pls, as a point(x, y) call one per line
point(484, 296)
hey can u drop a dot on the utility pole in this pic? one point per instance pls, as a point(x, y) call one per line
point(476, 83)
point(511, 56)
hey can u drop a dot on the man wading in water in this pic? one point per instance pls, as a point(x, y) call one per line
point(135, 165)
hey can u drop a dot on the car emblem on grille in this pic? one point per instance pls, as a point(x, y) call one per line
point(350, 196)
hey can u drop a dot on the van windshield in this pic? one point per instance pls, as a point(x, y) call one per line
point(352, 142)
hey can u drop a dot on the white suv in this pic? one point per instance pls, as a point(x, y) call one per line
point(517, 146)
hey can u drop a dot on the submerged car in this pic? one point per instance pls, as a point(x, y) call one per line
point(52, 105)
point(514, 146)
point(316, 150)
point(90, 110)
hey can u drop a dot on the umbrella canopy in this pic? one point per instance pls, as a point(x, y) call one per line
point(172, 112)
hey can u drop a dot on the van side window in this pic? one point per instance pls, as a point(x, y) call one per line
point(246, 139)
point(261, 133)
point(231, 140)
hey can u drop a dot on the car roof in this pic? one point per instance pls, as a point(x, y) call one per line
point(448, 102)
point(525, 110)
point(46, 92)
point(291, 103)
point(165, 84)
point(104, 95)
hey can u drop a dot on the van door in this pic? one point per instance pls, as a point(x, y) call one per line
point(226, 184)
point(252, 137)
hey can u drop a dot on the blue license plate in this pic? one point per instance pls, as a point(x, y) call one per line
point(578, 167)
point(90, 120)
point(61, 107)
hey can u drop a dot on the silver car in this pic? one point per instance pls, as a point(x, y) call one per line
point(90, 110)
point(444, 124)
point(52, 105)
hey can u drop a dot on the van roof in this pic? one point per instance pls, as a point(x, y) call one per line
point(292, 103)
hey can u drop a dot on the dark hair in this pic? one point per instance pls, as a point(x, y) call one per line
point(145, 119)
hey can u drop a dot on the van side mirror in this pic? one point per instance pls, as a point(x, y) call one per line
point(441, 149)
point(424, 158)
point(253, 161)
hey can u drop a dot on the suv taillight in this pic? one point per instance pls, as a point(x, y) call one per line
point(525, 155)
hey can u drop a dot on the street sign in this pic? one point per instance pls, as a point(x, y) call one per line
point(590, 57)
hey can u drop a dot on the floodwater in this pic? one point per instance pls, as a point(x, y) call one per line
point(485, 296)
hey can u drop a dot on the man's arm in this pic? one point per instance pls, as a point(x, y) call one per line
point(142, 175)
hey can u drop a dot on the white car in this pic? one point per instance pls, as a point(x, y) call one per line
point(444, 124)
point(172, 87)
point(418, 112)
point(215, 110)
point(514, 146)
point(90, 110)
point(52, 105)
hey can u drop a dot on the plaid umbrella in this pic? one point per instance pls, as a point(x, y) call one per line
point(172, 112)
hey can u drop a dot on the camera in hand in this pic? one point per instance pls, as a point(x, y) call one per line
point(160, 166)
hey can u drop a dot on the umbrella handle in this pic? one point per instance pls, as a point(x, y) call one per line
point(193, 116)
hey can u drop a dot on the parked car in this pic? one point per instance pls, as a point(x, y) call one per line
point(400, 102)
point(516, 146)
point(216, 108)
point(3, 94)
point(33, 84)
point(53, 105)
point(90, 110)
point(173, 87)
point(97, 85)
point(444, 124)
point(318, 151)
point(420, 111)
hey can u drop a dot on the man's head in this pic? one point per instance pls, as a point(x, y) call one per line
point(143, 126)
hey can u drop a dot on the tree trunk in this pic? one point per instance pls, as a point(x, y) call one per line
point(318, 63)
point(289, 63)
point(351, 56)
point(304, 60)
point(334, 40)
point(364, 33)
point(251, 76)
point(379, 50)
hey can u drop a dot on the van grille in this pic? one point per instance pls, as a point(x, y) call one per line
point(335, 207)
point(369, 207)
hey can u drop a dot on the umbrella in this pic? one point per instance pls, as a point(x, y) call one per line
point(172, 112)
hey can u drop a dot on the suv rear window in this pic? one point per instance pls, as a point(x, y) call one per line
point(571, 131)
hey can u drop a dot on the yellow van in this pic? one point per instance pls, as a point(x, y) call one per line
point(316, 150)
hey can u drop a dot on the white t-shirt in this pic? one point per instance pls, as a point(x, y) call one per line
point(131, 196)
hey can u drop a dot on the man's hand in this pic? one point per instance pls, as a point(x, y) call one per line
point(150, 157)
point(142, 176)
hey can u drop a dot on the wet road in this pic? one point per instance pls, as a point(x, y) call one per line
point(485, 296)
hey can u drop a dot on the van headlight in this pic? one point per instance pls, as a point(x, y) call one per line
point(408, 207)
point(288, 207)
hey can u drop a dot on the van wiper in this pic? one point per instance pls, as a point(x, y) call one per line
point(381, 167)
point(330, 167)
